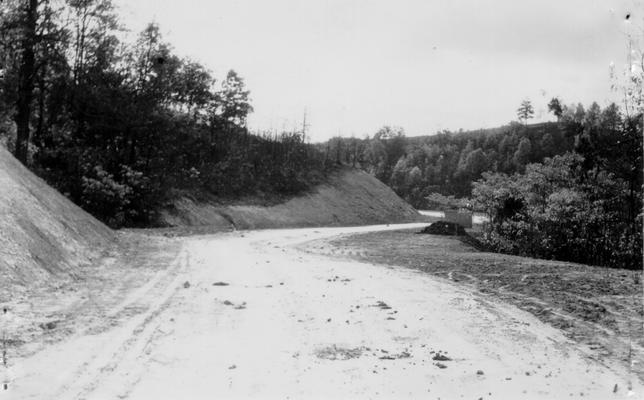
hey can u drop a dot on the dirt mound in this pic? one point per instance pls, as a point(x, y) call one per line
point(42, 233)
point(350, 197)
point(444, 228)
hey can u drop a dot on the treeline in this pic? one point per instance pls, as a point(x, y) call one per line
point(448, 162)
point(568, 190)
point(121, 127)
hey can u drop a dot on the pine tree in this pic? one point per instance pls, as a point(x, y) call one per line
point(525, 111)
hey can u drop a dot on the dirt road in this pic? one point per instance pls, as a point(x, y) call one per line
point(254, 315)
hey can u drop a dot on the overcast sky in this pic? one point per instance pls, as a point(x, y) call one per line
point(424, 65)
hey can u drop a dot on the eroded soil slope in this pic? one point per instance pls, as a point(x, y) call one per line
point(42, 233)
point(350, 197)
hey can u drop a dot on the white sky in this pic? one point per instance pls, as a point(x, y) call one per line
point(425, 65)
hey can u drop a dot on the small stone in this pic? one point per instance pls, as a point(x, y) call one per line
point(441, 357)
point(49, 325)
point(479, 372)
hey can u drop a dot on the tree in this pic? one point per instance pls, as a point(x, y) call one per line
point(415, 176)
point(525, 111)
point(580, 114)
point(548, 148)
point(476, 163)
point(232, 103)
point(192, 88)
point(592, 117)
point(555, 107)
point(523, 153)
point(93, 24)
point(611, 118)
point(398, 179)
point(393, 142)
point(26, 77)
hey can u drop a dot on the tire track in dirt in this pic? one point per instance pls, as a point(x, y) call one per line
point(108, 342)
point(132, 347)
point(367, 330)
point(137, 330)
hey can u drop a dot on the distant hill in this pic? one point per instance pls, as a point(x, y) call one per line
point(42, 233)
point(532, 131)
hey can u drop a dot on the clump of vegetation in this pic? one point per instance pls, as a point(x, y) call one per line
point(559, 210)
point(437, 201)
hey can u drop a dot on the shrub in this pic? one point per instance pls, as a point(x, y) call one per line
point(557, 210)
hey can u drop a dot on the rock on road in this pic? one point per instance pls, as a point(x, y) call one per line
point(255, 315)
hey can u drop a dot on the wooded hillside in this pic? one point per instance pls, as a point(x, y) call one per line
point(119, 126)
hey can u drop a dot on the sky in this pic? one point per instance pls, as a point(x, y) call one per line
point(425, 65)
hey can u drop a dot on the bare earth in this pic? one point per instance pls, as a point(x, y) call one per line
point(602, 309)
point(262, 315)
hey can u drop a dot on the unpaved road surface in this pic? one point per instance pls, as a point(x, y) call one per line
point(254, 315)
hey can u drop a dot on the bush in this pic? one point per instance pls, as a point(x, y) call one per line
point(557, 210)
point(114, 201)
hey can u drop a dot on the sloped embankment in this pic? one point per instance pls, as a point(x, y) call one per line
point(42, 233)
point(349, 197)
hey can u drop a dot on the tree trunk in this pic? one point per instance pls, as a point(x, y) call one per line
point(40, 126)
point(26, 82)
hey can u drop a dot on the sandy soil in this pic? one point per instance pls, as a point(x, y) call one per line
point(349, 197)
point(262, 315)
point(43, 235)
point(600, 308)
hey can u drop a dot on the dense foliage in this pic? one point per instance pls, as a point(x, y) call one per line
point(119, 127)
point(559, 210)
point(582, 206)
point(448, 162)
